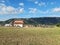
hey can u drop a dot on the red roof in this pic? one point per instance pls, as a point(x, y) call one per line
point(18, 22)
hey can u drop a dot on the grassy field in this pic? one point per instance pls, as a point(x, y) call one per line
point(29, 36)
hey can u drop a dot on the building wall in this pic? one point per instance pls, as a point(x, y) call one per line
point(18, 25)
point(8, 25)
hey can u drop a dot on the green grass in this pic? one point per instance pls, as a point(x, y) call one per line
point(29, 36)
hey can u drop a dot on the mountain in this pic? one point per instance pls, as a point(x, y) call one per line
point(35, 21)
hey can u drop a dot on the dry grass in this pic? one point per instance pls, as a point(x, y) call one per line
point(29, 36)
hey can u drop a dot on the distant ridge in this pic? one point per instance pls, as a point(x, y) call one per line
point(40, 20)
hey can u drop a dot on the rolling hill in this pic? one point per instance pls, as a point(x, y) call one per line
point(41, 20)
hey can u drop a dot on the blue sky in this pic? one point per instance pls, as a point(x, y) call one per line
point(29, 8)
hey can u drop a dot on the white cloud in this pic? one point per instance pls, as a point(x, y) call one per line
point(21, 4)
point(36, 2)
point(2, 1)
point(36, 11)
point(42, 4)
point(21, 10)
point(56, 9)
point(10, 10)
point(32, 10)
point(52, 3)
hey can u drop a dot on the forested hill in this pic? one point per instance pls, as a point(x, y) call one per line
point(41, 20)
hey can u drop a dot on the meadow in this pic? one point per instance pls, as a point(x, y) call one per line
point(29, 36)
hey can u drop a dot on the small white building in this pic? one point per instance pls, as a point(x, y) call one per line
point(18, 23)
point(8, 25)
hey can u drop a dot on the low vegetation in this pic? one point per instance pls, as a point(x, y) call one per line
point(29, 36)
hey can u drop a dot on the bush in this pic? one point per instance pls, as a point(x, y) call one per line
point(58, 25)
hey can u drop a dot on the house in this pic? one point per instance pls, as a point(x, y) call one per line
point(18, 23)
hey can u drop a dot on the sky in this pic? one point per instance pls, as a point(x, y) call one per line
point(29, 9)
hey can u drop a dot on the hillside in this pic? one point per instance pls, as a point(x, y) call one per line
point(41, 20)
